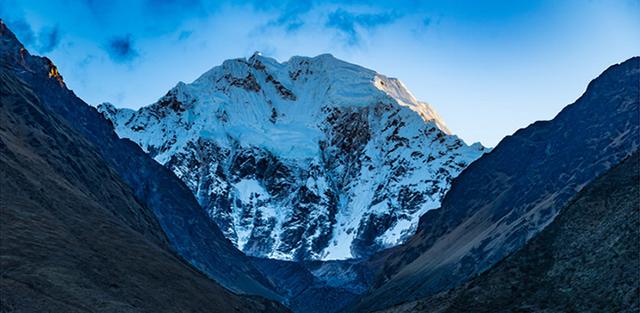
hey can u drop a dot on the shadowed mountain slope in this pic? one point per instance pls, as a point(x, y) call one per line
point(187, 228)
point(586, 260)
point(508, 195)
point(73, 236)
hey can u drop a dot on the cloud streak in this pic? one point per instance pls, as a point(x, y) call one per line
point(121, 49)
point(48, 39)
point(349, 24)
point(291, 17)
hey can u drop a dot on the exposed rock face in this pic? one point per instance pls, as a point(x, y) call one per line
point(586, 260)
point(310, 159)
point(508, 195)
point(73, 235)
point(187, 228)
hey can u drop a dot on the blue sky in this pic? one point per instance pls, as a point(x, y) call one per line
point(488, 67)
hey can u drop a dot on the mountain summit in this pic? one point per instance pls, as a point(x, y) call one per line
point(310, 159)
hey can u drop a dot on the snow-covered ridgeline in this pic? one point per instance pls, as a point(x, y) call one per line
point(313, 158)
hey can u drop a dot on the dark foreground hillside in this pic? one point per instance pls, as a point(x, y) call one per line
point(187, 227)
point(586, 260)
point(73, 236)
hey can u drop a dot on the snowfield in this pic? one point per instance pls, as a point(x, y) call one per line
point(310, 159)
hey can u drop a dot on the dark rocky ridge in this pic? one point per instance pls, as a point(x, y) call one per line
point(586, 260)
point(74, 237)
point(508, 195)
point(186, 226)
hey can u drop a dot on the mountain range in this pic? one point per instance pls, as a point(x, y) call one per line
point(315, 183)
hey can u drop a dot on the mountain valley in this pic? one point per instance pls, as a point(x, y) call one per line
point(310, 186)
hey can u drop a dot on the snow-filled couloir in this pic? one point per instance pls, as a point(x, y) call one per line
point(313, 158)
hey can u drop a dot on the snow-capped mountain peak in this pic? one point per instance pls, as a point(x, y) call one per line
point(312, 158)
